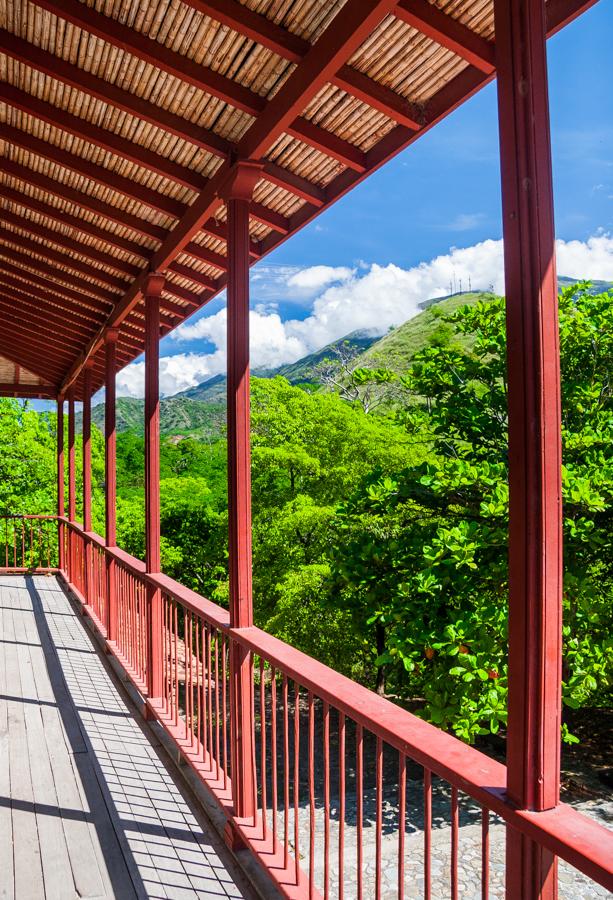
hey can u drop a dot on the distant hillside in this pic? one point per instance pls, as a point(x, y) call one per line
point(304, 370)
point(200, 410)
point(396, 349)
point(177, 416)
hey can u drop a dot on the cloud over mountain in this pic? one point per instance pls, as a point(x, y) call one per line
point(345, 299)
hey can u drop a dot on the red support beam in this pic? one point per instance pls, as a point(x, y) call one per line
point(154, 286)
point(87, 448)
point(87, 476)
point(535, 453)
point(239, 192)
point(60, 478)
point(72, 496)
point(110, 476)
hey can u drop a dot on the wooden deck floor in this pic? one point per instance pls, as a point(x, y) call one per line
point(88, 807)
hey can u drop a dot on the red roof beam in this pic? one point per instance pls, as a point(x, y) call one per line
point(33, 280)
point(204, 254)
point(120, 184)
point(205, 79)
point(34, 391)
point(36, 311)
point(448, 32)
point(100, 137)
point(72, 75)
point(293, 48)
point(83, 200)
point(64, 259)
point(67, 243)
point(77, 223)
point(32, 361)
point(63, 344)
point(347, 31)
point(37, 347)
point(53, 272)
point(89, 84)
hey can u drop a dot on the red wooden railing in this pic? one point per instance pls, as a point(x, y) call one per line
point(341, 775)
point(30, 542)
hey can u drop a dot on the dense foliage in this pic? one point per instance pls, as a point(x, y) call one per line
point(430, 540)
point(380, 537)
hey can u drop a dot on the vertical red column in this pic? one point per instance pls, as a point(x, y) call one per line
point(87, 479)
point(152, 292)
point(238, 194)
point(535, 530)
point(87, 448)
point(72, 496)
point(110, 477)
point(60, 480)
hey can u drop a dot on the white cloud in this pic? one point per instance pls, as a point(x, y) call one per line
point(317, 277)
point(373, 297)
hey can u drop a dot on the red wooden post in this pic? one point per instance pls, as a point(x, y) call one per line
point(152, 292)
point(535, 531)
point(87, 477)
point(72, 497)
point(60, 480)
point(238, 192)
point(110, 477)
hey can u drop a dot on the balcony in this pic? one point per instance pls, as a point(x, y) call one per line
point(153, 743)
point(351, 796)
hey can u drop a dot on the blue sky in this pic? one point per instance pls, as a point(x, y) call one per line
point(375, 247)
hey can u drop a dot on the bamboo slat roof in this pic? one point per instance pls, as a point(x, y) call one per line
point(119, 121)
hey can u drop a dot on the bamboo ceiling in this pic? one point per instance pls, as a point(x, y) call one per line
point(119, 120)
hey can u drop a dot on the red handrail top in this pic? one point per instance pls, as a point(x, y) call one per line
point(568, 833)
point(215, 615)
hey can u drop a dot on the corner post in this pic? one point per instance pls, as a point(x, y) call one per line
point(238, 192)
point(152, 292)
point(60, 481)
point(110, 477)
point(72, 496)
point(535, 524)
point(87, 480)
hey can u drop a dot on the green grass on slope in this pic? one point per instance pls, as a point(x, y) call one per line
point(396, 350)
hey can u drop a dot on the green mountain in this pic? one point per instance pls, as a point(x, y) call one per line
point(201, 410)
point(396, 349)
point(177, 416)
point(304, 370)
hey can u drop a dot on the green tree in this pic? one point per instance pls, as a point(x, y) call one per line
point(422, 553)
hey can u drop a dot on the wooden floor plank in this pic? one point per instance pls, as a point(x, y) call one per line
point(94, 810)
point(7, 881)
point(27, 867)
point(55, 860)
